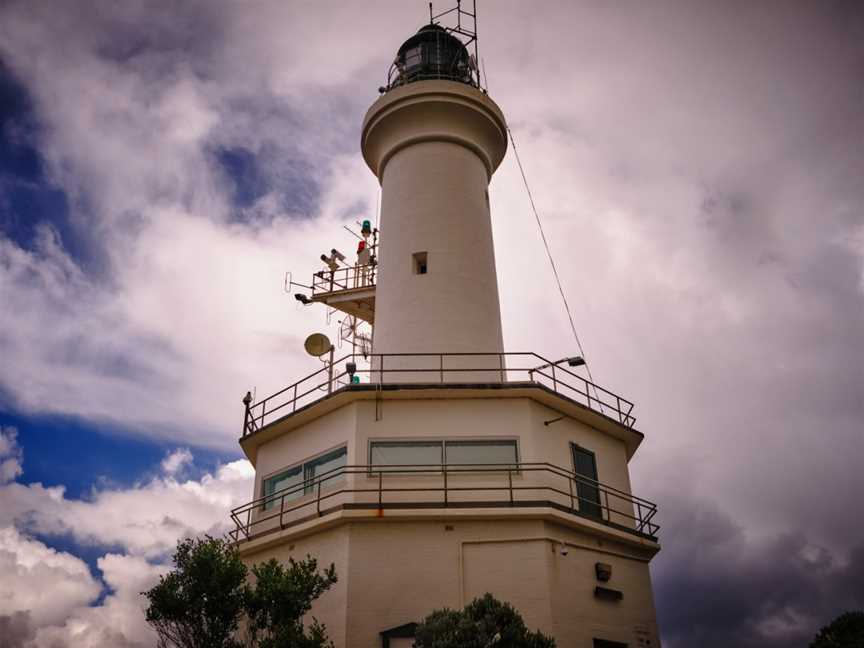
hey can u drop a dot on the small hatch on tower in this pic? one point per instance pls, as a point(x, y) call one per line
point(420, 260)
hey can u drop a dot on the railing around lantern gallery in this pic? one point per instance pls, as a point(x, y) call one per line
point(345, 278)
point(514, 369)
point(449, 486)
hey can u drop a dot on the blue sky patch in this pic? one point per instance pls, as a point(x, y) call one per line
point(63, 451)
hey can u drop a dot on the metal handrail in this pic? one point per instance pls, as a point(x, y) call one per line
point(345, 278)
point(500, 368)
point(628, 512)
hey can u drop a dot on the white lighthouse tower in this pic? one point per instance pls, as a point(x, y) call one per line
point(434, 466)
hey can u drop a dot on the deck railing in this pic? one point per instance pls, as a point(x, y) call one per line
point(437, 368)
point(380, 487)
point(345, 278)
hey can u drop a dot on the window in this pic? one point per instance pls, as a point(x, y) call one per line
point(290, 479)
point(480, 452)
point(326, 467)
point(406, 453)
point(437, 453)
point(413, 57)
point(420, 262)
point(300, 480)
point(585, 465)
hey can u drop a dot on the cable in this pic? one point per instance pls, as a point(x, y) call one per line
point(554, 267)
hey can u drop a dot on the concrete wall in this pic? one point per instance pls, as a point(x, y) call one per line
point(433, 146)
point(522, 419)
point(330, 546)
point(394, 572)
point(395, 569)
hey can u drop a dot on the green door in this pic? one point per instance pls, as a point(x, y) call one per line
point(585, 467)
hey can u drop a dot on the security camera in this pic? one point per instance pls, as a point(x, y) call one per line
point(336, 253)
point(564, 549)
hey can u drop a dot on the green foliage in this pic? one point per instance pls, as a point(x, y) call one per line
point(207, 601)
point(200, 603)
point(846, 631)
point(485, 622)
point(281, 598)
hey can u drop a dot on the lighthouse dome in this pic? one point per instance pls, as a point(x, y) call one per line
point(431, 53)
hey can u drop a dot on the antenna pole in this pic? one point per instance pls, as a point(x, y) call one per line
point(431, 19)
point(330, 371)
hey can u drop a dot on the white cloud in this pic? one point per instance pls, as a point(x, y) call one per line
point(47, 583)
point(119, 621)
point(56, 590)
point(174, 462)
point(692, 163)
point(10, 455)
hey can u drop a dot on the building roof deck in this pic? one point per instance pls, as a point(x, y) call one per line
point(450, 371)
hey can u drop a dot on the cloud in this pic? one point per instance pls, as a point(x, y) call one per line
point(174, 462)
point(48, 598)
point(10, 455)
point(697, 169)
point(119, 620)
point(40, 581)
point(716, 585)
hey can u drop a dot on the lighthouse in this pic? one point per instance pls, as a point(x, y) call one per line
point(427, 463)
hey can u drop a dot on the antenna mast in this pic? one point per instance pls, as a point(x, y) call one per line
point(466, 28)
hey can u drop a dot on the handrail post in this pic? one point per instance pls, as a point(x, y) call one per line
point(554, 380)
point(441, 364)
point(282, 511)
point(318, 503)
point(247, 402)
point(294, 400)
point(572, 501)
point(510, 484)
point(608, 510)
point(380, 490)
point(446, 500)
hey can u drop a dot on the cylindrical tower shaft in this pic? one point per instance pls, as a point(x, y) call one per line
point(433, 146)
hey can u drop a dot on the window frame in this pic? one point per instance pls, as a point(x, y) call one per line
point(303, 467)
point(443, 441)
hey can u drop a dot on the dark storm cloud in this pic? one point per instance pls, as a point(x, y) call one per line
point(720, 589)
point(714, 171)
point(15, 630)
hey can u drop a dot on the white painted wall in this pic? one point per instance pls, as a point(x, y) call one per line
point(434, 146)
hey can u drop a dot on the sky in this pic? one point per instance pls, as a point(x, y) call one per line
point(699, 168)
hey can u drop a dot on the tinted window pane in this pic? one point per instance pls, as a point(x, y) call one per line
point(290, 480)
point(390, 453)
point(327, 467)
point(481, 452)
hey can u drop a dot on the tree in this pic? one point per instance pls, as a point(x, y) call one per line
point(206, 601)
point(485, 622)
point(846, 631)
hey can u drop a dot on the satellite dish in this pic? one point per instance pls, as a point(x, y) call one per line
point(317, 344)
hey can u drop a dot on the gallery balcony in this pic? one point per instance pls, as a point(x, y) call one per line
point(529, 488)
point(348, 289)
point(507, 374)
